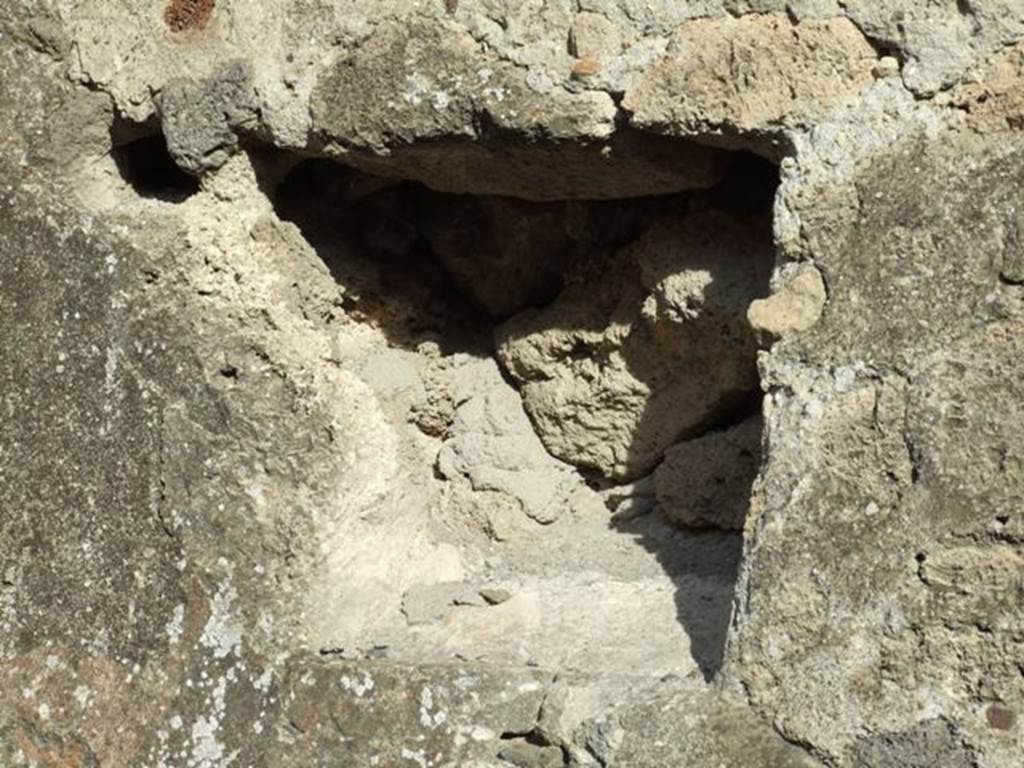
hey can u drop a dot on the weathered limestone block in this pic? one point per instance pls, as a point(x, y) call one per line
point(422, 125)
point(594, 36)
point(233, 451)
point(81, 435)
point(931, 742)
point(724, 733)
point(752, 77)
point(885, 264)
point(389, 714)
point(992, 93)
point(964, 407)
point(894, 422)
point(652, 347)
point(940, 40)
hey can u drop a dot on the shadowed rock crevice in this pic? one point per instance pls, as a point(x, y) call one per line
point(144, 162)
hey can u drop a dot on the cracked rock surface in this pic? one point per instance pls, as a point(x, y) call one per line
point(582, 383)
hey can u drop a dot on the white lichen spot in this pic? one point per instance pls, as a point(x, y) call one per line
point(176, 723)
point(44, 711)
point(207, 751)
point(441, 100)
point(110, 368)
point(222, 634)
point(419, 756)
point(430, 719)
point(419, 87)
point(358, 687)
point(480, 733)
point(176, 625)
point(82, 695)
point(262, 683)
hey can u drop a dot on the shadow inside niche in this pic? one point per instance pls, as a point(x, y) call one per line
point(364, 228)
point(144, 162)
point(449, 268)
point(704, 480)
point(704, 566)
point(705, 486)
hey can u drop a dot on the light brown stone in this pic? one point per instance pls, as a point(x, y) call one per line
point(755, 73)
point(795, 307)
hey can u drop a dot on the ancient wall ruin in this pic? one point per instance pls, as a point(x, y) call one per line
point(485, 383)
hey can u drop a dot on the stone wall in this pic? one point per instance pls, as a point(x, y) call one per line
point(480, 383)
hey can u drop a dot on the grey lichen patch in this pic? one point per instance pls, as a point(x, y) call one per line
point(932, 742)
point(202, 120)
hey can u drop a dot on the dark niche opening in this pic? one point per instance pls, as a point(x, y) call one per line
point(144, 162)
point(621, 322)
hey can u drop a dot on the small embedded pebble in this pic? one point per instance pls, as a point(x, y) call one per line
point(1000, 718)
point(495, 596)
point(887, 66)
point(586, 67)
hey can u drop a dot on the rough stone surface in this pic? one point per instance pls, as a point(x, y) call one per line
point(647, 349)
point(796, 306)
point(594, 36)
point(938, 41)
point(707, 481)
point(493, 446)
point(202, 121)
point(931, 742)
point(751, 77)
point(274, 489)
